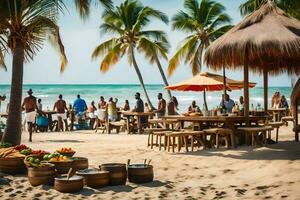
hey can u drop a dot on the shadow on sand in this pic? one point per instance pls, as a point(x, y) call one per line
point(284, 150)
point(61, 141)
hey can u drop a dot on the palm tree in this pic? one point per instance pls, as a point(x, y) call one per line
point(152, 51)
point(24, 26)
point(204, 22)
point(291, 7)
point(127, 22)
point(83, 6)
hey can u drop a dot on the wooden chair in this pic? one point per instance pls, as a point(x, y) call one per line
point(274, 125)
point(218, 133)
point(101, 120)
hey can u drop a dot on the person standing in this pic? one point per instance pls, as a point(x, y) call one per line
point(79, 106)
point(91, 112)
point(102, 103)
point(60, 107)
point(161, 110)
point(30, 106)
point(139, 104)
point(39, 105)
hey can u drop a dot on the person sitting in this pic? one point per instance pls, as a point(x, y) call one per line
point(172, 106)
point(60, 107)
point(283, 102)
point(276, 100)
point(91, 113)
point(146, 107)
point(126, 106)
point(227, 103)
point(161, 108)
point(194, 108)
point(112, 110)
point(139, 104)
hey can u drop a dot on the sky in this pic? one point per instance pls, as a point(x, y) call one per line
point(81, 37)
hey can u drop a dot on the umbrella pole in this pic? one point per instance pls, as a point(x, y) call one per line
point(246, 90)
point(224, 80)
point(204, 99)
point(265, 91)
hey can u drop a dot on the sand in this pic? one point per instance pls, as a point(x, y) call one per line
point(271, 172)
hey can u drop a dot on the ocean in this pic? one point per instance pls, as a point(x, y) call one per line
point(49, 94)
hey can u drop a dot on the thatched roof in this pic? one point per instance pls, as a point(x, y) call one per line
point(268, 38)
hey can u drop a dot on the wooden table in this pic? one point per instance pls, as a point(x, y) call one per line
point(49, 114)
point(228, 121)
point(277, 113)
point(163, 123)
point(138, 116)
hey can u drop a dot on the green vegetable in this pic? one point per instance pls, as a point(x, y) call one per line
point(5, 145)
point(37, 161)
point(45, 157)
point(25, 151)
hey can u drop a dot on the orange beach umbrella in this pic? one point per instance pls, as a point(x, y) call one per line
point(208, 82)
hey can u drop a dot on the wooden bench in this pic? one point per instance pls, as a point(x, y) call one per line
point(225, 133)
point(274, 125)
point(158, 132)
point(115, 125)
point(254, 132)
point(287, 119)
point(182, 139)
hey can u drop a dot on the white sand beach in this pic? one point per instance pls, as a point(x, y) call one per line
point(271, 172)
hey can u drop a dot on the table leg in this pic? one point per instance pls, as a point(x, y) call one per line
point(127, 125)
point(139, 125)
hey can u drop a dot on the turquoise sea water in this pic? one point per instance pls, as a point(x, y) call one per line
point(49, 94)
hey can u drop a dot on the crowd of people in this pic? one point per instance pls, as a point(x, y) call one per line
point(34, 114)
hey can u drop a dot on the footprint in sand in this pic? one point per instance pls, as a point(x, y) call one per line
point(240, 191)
point(232, 186)
point(226, 171)
point(212, 176)
point(8, 190)
point(169, 186)
point(284, 196)
point(268, 197)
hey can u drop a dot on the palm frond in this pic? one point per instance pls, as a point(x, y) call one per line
point(250, 5)
point(183, 21)
point(104, 48)
point(156, 35)
point(181, 53)
point(111, 58)
point(192, 7)
point(196, 60)
point(110, 28)
point(152, 49)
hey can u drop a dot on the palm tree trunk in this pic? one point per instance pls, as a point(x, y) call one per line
point(163, 75)
point(13, 130)
point(140, 77)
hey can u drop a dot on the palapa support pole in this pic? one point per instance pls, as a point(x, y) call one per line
point(246, 89)
point(224, 80)
point(265, 72)
point(204, 99)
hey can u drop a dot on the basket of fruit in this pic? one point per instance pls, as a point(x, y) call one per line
point(62, 163)
point(11, 161)
point(69, 152)
point(42, 173)
point(39, 153)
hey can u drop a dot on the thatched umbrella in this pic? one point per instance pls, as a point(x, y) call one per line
point(267, 41)
point(208, 82)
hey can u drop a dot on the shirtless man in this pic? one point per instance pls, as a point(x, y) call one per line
point(60, 107)
point(30, 107)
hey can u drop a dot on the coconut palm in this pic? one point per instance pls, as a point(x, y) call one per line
point(152, 51)
point(83, 6)
point(24, 26)
point(127, 23)
point(291, 7)
point(203, 21)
